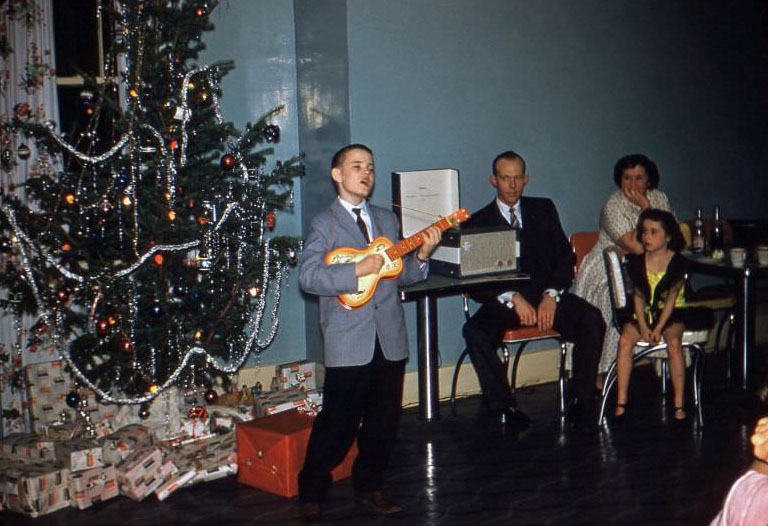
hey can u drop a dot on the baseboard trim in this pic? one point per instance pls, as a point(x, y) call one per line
point(535, 367)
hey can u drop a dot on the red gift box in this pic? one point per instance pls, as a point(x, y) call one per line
point(271, 451)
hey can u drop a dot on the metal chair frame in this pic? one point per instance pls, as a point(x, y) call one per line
point(506, 343)
point(644, 349)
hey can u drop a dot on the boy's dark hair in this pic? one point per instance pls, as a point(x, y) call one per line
point(338, 157)
point(636, 159)
point(668, 223)
point(509, 155)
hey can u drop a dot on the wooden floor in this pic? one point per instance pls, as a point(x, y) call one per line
point(466, 469)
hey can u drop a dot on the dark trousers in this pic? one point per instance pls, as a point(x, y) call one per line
point(575, 319)
point(371, 394)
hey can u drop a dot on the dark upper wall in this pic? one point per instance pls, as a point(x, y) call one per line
point(572, 86)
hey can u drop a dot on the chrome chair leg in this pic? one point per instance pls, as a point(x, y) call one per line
point(563, 378)
point(697, 365)
point(730, 341)
point(515, 363)
point(455, 381)
point(610, 379)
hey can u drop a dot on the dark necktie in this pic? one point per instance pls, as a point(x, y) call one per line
point(514, 221)
point(361, 224)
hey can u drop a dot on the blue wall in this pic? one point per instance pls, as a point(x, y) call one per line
point(259, 36)
point(572, 85)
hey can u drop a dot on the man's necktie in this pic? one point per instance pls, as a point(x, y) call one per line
point(361, 224)
point(515, 222)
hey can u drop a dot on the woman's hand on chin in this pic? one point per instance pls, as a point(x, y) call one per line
point(637, 198)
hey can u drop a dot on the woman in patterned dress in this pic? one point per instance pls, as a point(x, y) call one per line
point(637, 178)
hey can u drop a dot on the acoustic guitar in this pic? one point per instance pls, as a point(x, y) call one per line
point(392, 254)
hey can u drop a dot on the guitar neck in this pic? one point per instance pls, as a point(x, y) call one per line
point(409, 244)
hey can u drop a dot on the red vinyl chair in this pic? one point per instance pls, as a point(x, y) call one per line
point(581, 244)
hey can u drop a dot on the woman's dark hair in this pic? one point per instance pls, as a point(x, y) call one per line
point(668, 223)
point(636, 159)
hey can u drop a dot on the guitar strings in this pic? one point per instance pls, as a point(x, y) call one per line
point(386, 202)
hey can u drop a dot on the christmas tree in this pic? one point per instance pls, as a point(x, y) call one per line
point(145, 253)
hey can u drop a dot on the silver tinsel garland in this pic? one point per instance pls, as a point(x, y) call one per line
point(247, 342)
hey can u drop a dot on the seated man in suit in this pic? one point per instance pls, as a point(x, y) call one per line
point(543, 301)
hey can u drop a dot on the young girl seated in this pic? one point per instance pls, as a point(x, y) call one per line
point(658, 276)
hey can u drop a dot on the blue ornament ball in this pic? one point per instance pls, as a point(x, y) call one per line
point(73, 399)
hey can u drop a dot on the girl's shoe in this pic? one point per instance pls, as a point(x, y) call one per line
point(680, 414)
point(622, 416)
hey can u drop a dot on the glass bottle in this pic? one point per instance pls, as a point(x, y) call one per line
point(717, 233)
point(698, 239)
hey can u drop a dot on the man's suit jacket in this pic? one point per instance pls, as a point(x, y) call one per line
point(349, 336)
point(545, 252)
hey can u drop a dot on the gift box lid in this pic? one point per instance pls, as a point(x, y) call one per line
point(285, 423)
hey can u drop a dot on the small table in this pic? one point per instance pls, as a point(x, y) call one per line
point(426, 293)
point(745, 277)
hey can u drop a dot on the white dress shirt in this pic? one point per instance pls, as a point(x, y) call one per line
point(363, 206)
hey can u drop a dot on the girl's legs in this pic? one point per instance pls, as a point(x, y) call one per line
point(629, 338)
point(673, 334)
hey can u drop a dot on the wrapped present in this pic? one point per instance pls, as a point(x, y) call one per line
point(99, 412)
point(79, 454)
point(217, 450)
point(271, 450)
point(316, 399)
point(196, 423)
point(28, 448)
point(140, 473)
point(168, 468)
point(300, 375)
point(208, 459)
point(278, 401)
point(173, 484)
point(47, 387)
point(34, 489)
point(93, 486)
point(223, 422)
point(225, 418)
point(125, 440)
point(215, 472)
point(60, 431)
point(183, 441)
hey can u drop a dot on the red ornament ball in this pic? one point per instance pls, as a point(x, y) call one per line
point(211, 396)
point(228, 161)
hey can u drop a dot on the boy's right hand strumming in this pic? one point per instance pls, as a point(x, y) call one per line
point(370, 264)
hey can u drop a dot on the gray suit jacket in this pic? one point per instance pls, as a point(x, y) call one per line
point(349, 335)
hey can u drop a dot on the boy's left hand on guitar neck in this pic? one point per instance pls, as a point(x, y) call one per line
point(431, 236)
